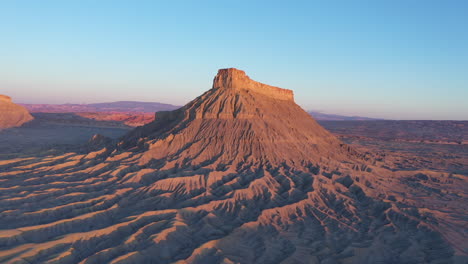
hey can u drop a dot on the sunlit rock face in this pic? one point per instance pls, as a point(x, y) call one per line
point(5, 98)
point(11, 114)
point(232, 78)
point(239, 175)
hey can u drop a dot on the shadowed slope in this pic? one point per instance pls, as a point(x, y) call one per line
point(238, 175)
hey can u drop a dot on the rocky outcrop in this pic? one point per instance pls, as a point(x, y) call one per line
point(11, 114)
point(4, 98)
point(233, 78)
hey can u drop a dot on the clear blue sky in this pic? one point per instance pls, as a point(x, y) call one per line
point(390, 59)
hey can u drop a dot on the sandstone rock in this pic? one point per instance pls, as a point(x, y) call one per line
point(11, 114)
point(237, 79)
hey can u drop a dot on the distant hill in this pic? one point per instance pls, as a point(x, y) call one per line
point(121, 106)
point(148, 107)
point(322, 116)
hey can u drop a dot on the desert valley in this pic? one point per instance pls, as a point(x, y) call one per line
point(241, 174)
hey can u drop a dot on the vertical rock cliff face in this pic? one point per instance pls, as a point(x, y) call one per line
point(239, 175)
point(11, 114)
point(236, 79)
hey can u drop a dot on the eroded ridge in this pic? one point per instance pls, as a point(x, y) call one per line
point(103, 208)
point(237, 79)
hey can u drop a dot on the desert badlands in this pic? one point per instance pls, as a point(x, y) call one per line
point(241, 174)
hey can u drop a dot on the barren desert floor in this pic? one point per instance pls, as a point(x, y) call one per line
point(241, 174)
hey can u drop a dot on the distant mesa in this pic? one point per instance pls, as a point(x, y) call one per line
point(333, 117)
point(112, 107)
point(129, 113)
point(11, 114)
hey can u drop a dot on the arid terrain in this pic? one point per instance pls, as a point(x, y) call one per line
point(55, 133)
point(127, 112)
point(409, 145)
point(241, 174)
point(122, 106)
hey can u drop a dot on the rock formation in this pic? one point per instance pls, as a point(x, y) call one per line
point(238, 120)
point(11, 114)
point(239, 175)
point(236, 79)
